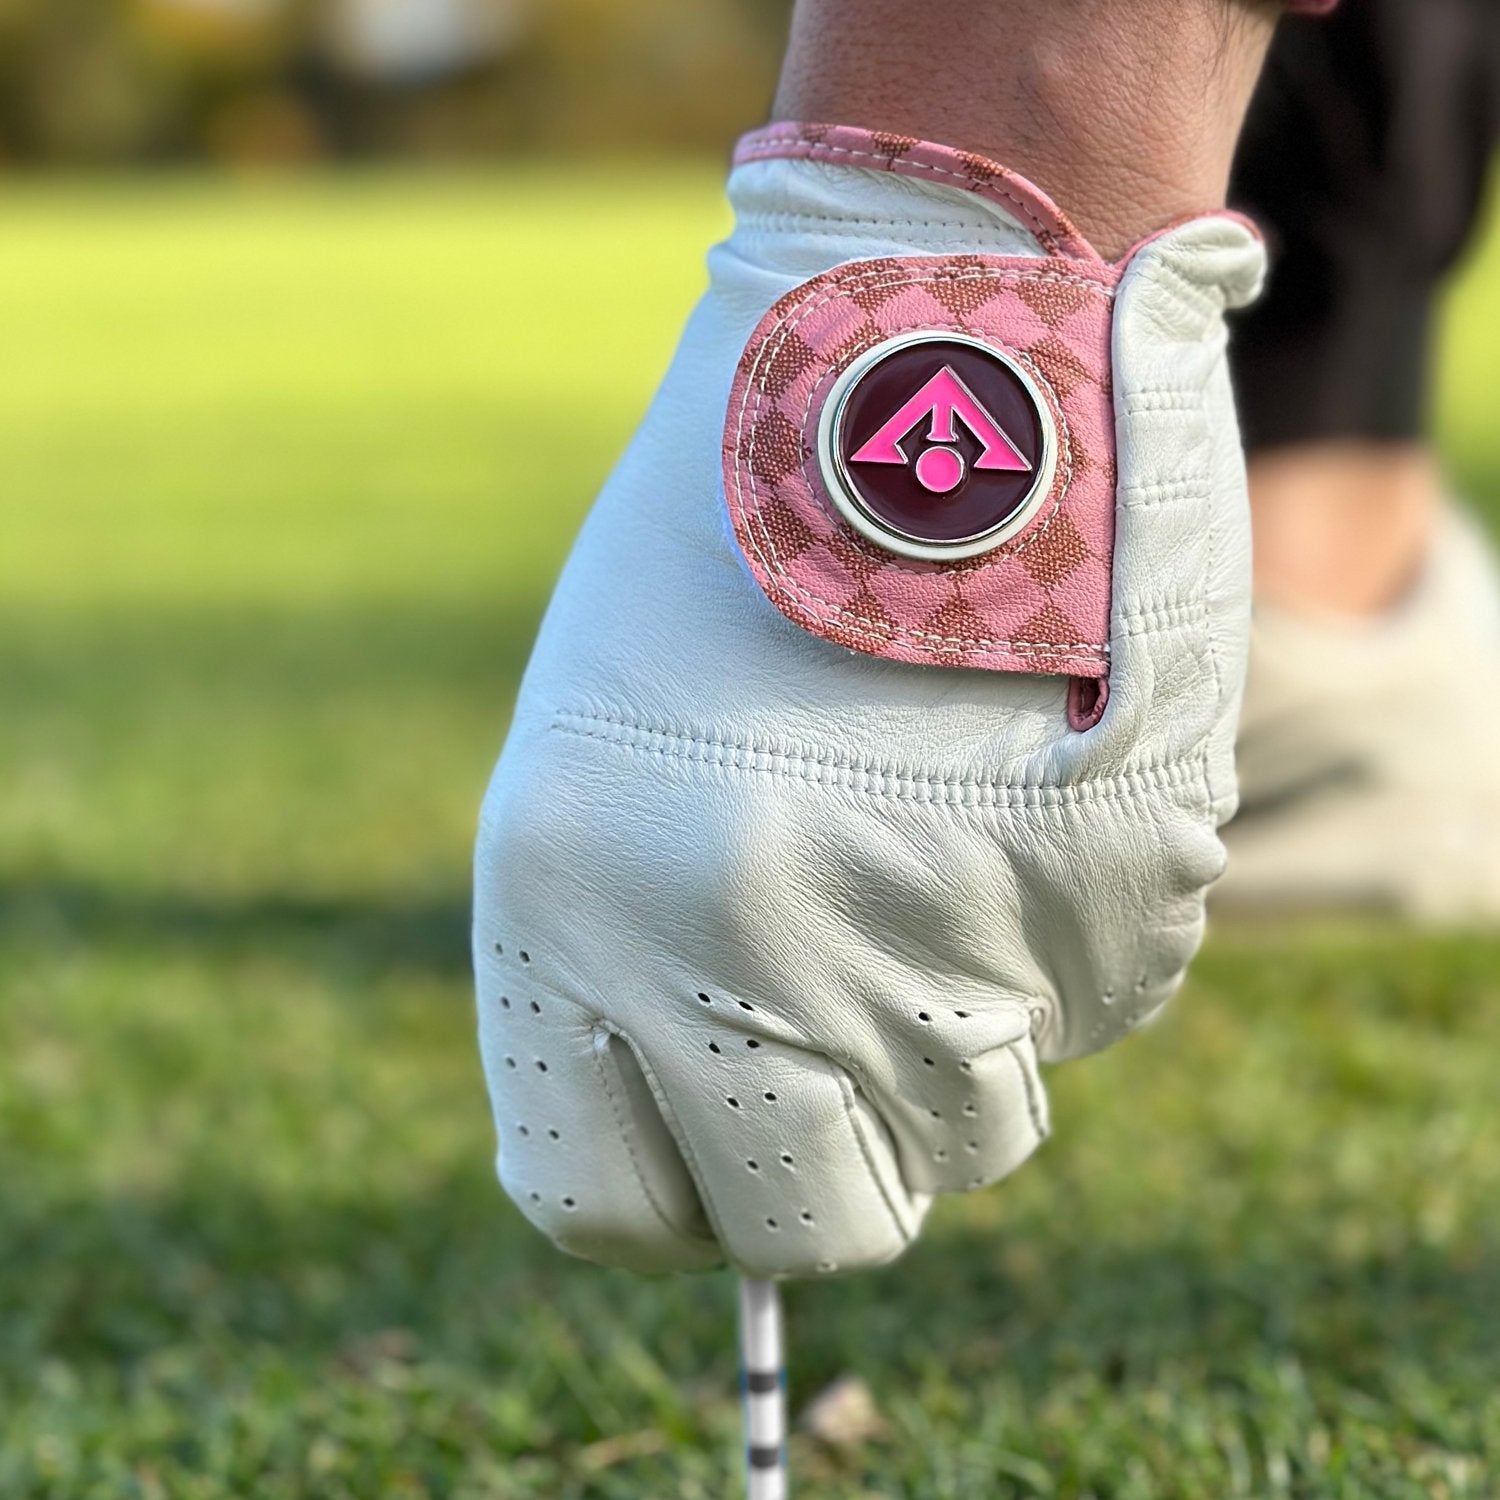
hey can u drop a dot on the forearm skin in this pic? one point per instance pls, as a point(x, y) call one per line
point(1126, 113)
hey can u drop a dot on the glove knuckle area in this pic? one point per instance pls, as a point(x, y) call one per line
point(768, 945)
point(960, 1092)
point(704, 1131)
point(584, 1152)
point(798, 1174)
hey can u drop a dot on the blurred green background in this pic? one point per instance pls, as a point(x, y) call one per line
point(274, 536)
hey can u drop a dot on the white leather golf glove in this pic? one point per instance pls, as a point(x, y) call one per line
point(806, 845)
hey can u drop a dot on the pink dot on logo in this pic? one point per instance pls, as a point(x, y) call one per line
point(940, 470)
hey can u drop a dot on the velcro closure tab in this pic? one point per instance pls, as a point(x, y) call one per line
point(919, 460)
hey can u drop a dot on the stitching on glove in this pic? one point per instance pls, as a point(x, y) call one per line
point(1143, 603)
point(1029, 1090)
point(773, 222)
point(958, 792)
point(847, 1093)
point(625, 1134)
point(763, 149)
point(1164, 617)
point(1213, 303)
point(958, 645)
point(1208, 633)
point(1162, 400)
point(1189, 488)
point(678, 1134)
point(1195, 487)
point(1164, 492)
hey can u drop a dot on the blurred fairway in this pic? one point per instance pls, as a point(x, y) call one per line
point(287, 471)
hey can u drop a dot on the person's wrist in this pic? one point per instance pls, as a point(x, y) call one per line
point(1126, 115)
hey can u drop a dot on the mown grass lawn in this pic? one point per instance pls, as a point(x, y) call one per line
point(277, 523)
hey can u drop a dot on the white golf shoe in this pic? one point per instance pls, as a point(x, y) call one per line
point(1369, 751)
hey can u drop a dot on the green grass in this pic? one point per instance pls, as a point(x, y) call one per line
point(274, 536)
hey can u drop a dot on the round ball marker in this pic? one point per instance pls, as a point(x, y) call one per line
point(936, 446)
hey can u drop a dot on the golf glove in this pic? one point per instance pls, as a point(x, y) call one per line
point(876, 739)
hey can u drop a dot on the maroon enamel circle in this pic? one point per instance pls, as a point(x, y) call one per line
point(940, 441)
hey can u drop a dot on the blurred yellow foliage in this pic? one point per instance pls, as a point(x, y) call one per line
point(104, 82)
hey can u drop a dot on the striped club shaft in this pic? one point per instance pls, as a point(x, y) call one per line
point(764, 1377)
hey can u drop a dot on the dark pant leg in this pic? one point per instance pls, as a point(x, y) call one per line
point(1364, 159)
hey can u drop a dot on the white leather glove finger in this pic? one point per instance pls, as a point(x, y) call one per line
point(804, 849)
point(815, 1146)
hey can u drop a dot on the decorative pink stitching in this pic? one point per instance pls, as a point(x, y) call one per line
point(834, 286)
point(680, 1136)
point(1164, 492)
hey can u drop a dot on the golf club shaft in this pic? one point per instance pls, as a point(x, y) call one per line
point(764, 1376)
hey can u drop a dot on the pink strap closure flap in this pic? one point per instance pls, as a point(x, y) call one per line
point(919, 455)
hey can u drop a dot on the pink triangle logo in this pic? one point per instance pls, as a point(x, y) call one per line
point(945, 399)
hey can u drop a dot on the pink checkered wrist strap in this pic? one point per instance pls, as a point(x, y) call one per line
point(919, 453)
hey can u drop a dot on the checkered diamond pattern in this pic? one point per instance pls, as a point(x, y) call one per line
point(1038, 603)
